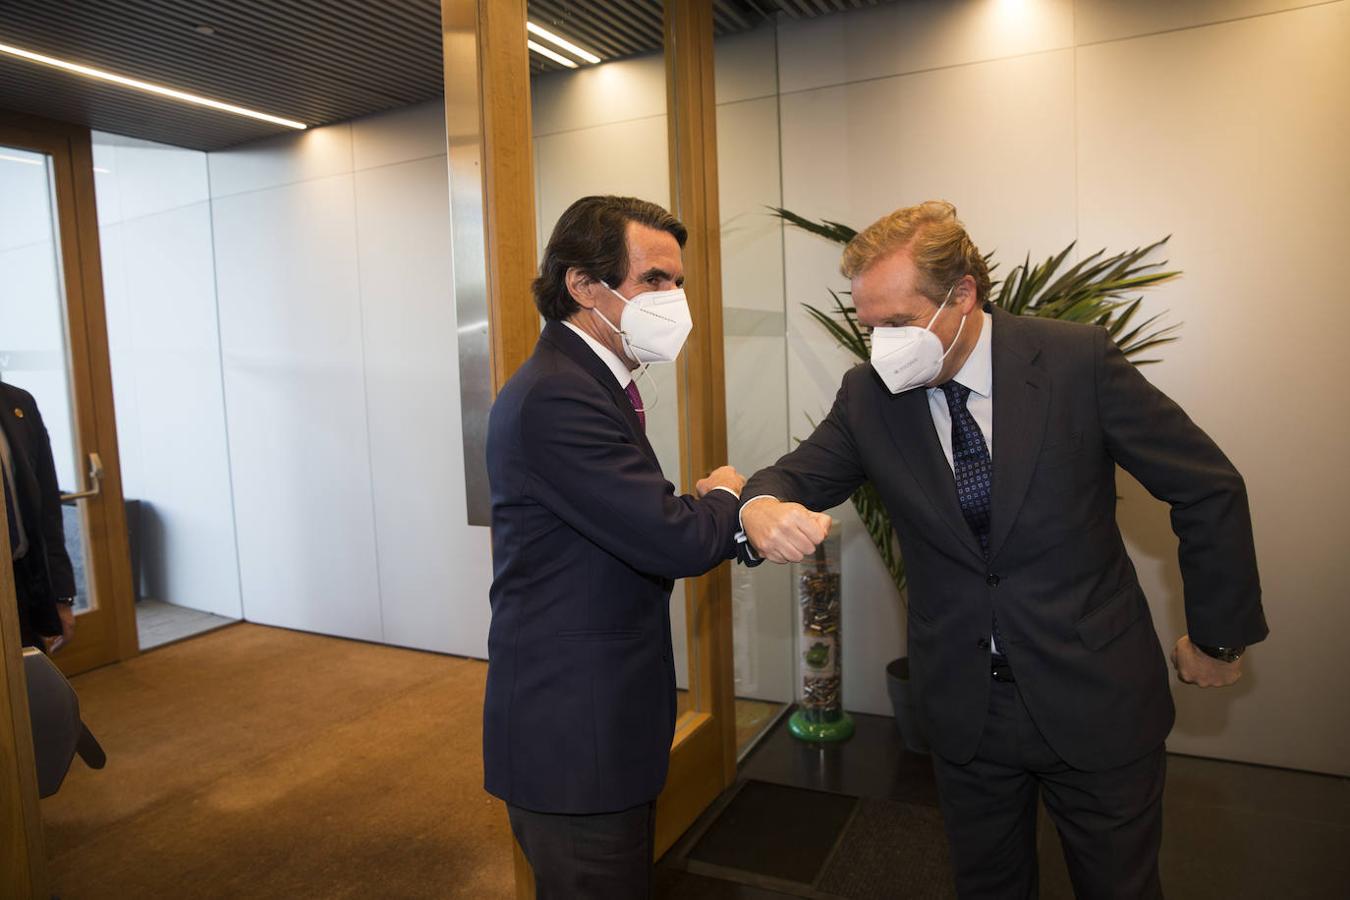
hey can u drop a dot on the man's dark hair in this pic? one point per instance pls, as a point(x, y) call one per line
point(592, 236)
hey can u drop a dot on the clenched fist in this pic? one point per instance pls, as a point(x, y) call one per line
point(1194, 666)
point(783, 532)
point(724, 477)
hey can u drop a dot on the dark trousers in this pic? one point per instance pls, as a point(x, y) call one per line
point(607, 856)
point(1110, 823)
point(28, 636)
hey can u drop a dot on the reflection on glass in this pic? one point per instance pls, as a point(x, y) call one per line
point(33, 345)
point(601, 129)
point(755, 343)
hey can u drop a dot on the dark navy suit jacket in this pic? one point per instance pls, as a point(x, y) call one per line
point(44, 575)
point(587, 539)
point(1068, 407)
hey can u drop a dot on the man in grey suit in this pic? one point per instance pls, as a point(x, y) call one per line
point(993, 439)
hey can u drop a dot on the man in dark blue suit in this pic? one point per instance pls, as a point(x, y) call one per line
point(993, 439)
point(588, 537)
point(44, 583)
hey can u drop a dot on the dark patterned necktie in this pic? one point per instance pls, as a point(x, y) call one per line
point(970, 463)
point(974, 471)
point(636, 399)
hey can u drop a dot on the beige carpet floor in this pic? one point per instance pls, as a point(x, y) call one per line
point(258, 762)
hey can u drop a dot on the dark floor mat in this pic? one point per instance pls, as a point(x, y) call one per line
point(891, 851)
point(777, 831)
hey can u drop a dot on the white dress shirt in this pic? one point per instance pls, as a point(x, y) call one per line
point(620, 369)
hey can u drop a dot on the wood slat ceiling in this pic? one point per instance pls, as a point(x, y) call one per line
point(318, 61)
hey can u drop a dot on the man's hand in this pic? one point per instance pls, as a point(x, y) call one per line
point(57, 641)
point(1194, 666)
point(725, 477)
point(783, 532)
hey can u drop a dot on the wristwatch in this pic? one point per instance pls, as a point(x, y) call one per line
point(65, 601)
point(1223, 654)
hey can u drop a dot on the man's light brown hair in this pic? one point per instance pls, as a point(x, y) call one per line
point(935, 238)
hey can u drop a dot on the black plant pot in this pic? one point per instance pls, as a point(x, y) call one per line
point(902, 701)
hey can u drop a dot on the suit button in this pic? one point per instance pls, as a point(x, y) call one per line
point(991, 579)
point(983, 643)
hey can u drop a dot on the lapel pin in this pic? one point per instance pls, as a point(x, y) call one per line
point(18, 412)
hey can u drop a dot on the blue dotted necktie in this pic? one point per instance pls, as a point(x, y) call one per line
point(974, 471)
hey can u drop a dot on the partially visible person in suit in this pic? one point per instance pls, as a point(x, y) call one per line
point(588, 537)
point(43, 579)
point(993, 440)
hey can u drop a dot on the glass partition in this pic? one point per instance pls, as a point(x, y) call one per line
point(601, 129)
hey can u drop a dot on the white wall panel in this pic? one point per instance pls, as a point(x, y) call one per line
point(295, 395)
point(996, 139)
point(1239, 152)
point(434, 569)
point(285, 159)
point(1107, 20)
point(899, 38)
point(748, 184)
point(148, 177)
point(746, 66)
point(179, 419)
point(599, 95)
point(160, 298)
point(401, 135)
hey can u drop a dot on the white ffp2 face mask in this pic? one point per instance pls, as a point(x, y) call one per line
point(909, 356)
point(655, 324)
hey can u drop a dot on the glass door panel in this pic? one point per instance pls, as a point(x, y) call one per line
point(34, 347)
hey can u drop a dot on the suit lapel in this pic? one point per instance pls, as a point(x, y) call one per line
point(577, 350)
point(911, 425)
point(1021, 403)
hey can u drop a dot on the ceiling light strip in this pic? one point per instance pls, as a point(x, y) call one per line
point(146, 86)
point(567, 45)
point(545, 52)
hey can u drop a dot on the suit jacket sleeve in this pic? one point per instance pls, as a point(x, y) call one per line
point(585, 467)
point(53, 523)
point(1154, 440)
point(823, 471)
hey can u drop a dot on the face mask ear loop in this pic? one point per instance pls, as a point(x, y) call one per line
point(656, 393)
point(946, 352)
point(604, 318)
point(945, 301)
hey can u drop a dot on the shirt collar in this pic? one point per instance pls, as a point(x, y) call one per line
point(607, 356)
point(978, 372)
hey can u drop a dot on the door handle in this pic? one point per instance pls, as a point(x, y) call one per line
point(95, 479)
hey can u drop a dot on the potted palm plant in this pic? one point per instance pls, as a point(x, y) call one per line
point(1097, 289)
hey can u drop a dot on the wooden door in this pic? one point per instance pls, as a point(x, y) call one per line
point(53, 344)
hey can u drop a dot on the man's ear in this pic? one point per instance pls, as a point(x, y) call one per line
point(581, 286)
point(966, 296)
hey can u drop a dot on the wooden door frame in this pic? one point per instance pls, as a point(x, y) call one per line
point(23, 855)
point(71, 150)
point(707, 765)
